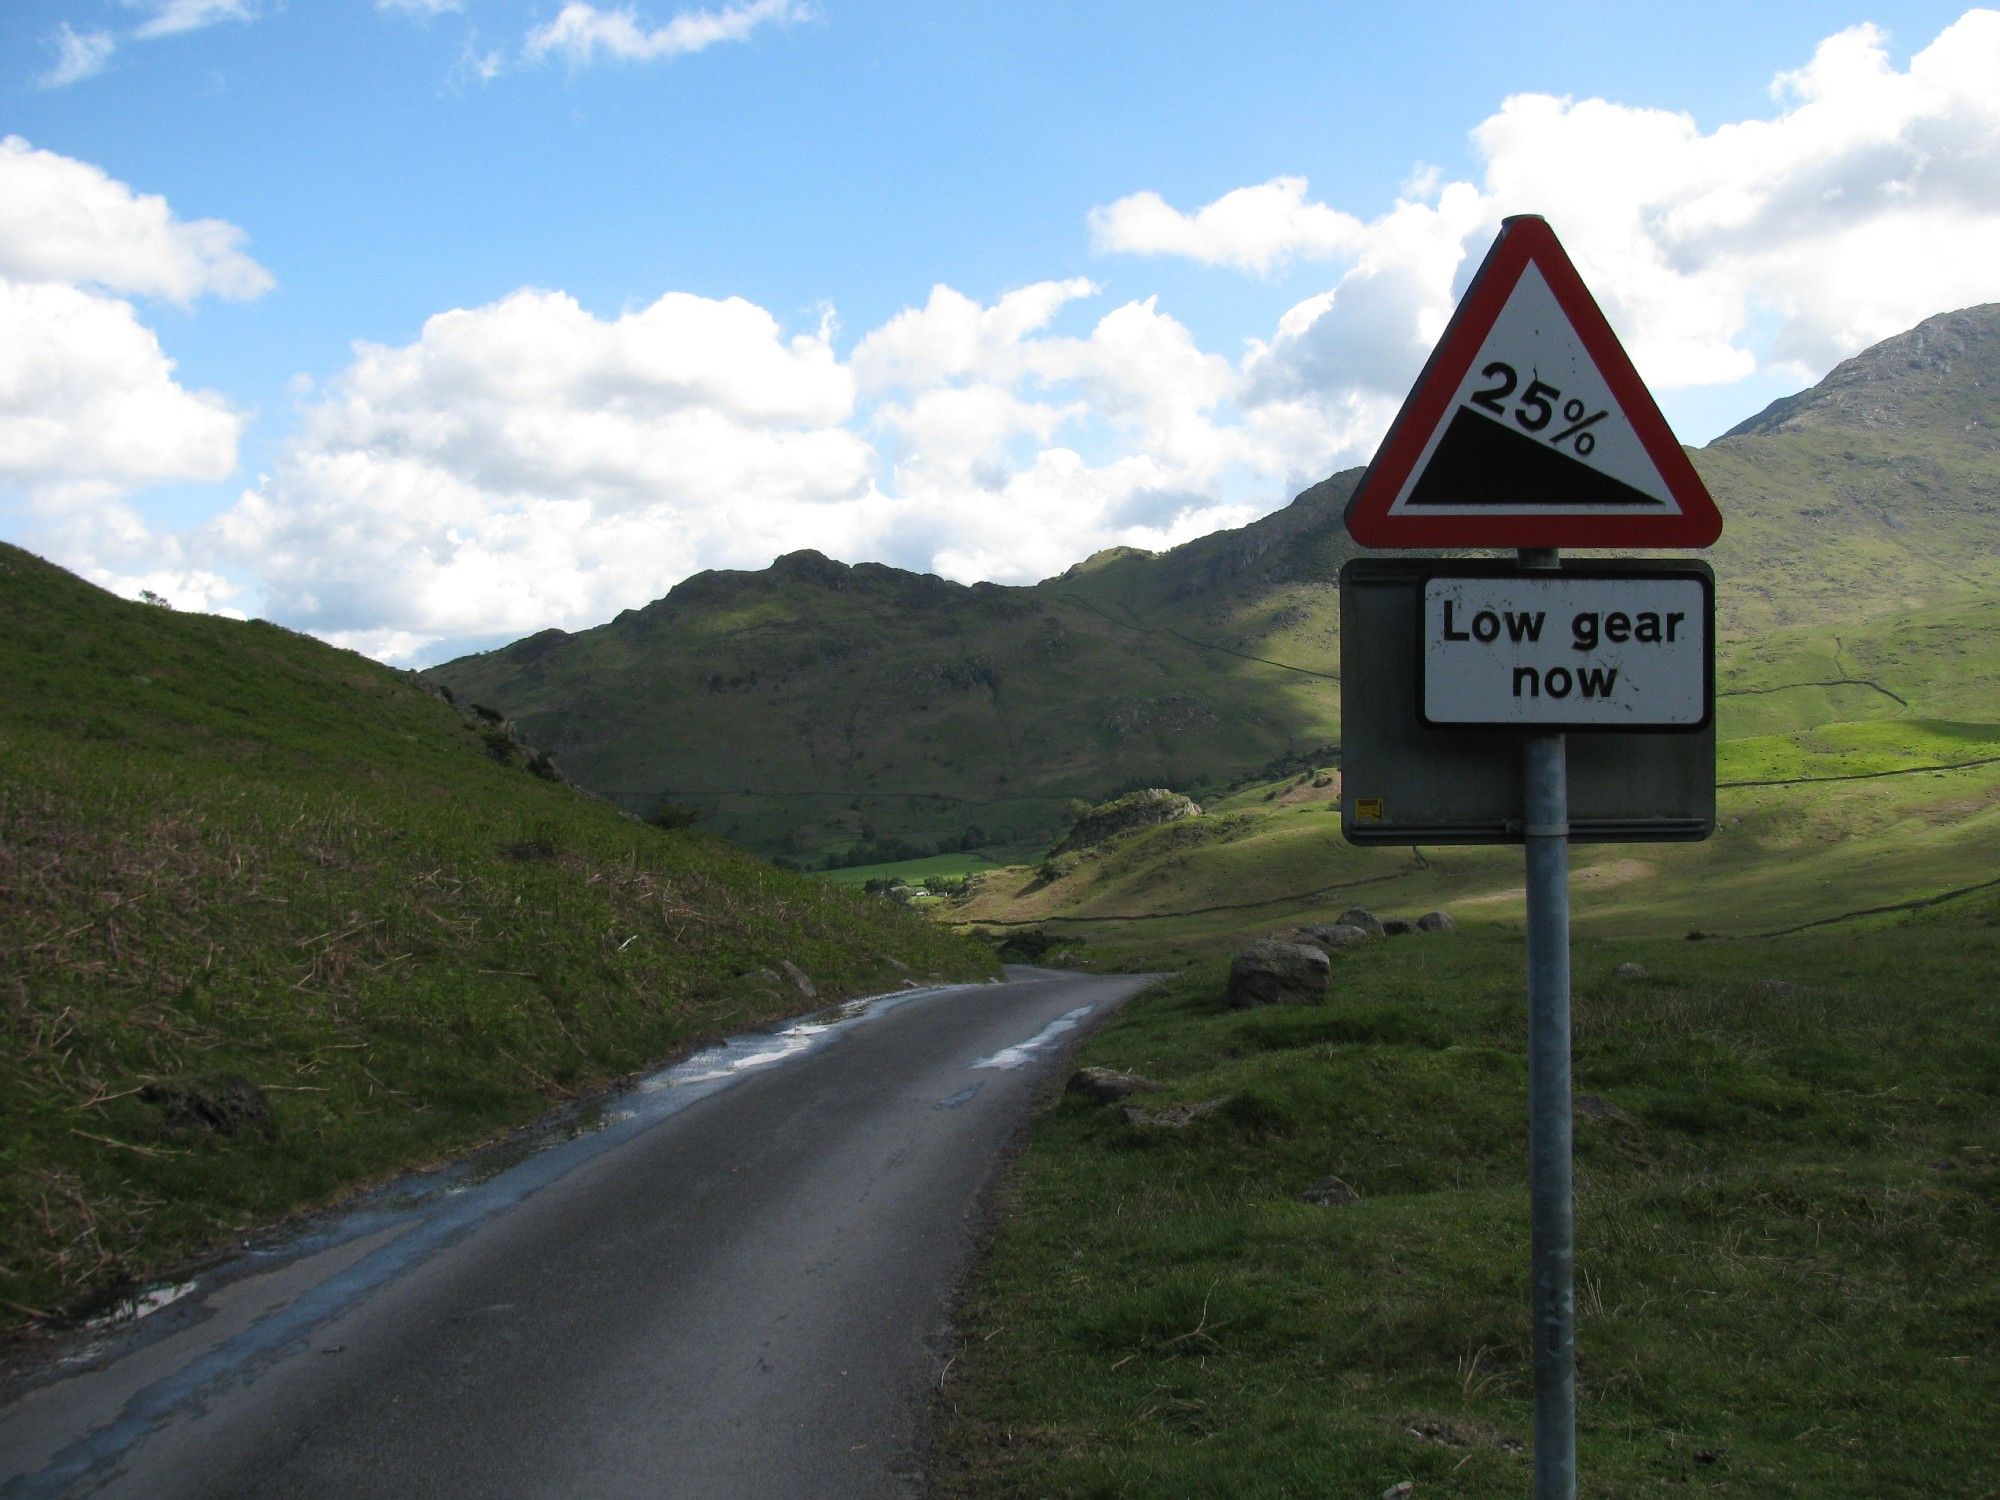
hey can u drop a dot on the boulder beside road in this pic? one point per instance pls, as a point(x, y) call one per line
point(1273, 972)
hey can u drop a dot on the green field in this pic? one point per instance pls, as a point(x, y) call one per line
point(1788, 1233)
point(276, 920)
point(912, 871)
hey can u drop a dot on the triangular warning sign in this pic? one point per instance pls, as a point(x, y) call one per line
point(1529, 427)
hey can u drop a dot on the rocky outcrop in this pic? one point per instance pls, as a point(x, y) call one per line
point(1135, 810)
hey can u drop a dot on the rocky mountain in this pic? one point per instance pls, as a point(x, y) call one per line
point(816, 709)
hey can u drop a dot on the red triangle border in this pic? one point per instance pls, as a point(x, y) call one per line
point(1523, 241)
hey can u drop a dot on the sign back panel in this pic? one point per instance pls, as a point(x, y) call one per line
point(1403, 782)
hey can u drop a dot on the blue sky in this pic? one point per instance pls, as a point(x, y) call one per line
point(492, 315)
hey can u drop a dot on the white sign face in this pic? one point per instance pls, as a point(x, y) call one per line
point(1566, 652)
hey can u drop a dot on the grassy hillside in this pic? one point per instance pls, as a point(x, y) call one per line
point(1859, 767)
point(815, 707)
point(865, 713)
point(1787, 1234)
point(275, 920)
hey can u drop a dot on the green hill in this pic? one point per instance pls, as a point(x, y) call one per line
point(816, 709)
point(275, 920)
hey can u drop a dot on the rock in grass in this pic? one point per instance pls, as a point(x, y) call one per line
point(1109, 1085)
point(1450, 1432)
point(1270, 972)
point(798, 978)
point(1171, 1116)
point(1629, 971)
point(1436, 921)
point(1333, 936)
point(1329, 1192)
point(227, 1105)
point(1397, 927)
point(1356, 916)
point(1594, 1107)
point(1401, 1491)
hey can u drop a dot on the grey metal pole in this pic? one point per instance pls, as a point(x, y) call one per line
point(1552, 1249)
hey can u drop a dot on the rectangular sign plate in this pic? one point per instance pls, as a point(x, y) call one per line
point(1535, 650)
point(1407, 782)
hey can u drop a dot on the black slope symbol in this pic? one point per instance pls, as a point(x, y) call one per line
point(1482, 462)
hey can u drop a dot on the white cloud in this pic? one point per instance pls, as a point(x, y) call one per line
point(79, 55)
point(1870, 199)
point(951, 335)
point(527, 462)
point(109, 542)
point(171, 17)
point(87, 397)
point(580, 31)
point(63, 220)
point(1251, 228)
point(475, 64)
point(90, 409)
point(420, 7)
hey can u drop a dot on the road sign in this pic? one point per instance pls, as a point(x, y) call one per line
point(1595, 649)
point(1529, 427)
point(1403, 782)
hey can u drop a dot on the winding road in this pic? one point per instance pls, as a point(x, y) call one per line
point(731, 1280)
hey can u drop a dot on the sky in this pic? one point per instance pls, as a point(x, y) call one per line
point(423, 325)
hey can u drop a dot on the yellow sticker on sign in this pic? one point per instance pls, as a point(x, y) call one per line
point(1368, 809)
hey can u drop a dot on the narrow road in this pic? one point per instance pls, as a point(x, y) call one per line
point(729, 1281)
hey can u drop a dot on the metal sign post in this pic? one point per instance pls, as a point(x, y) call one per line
point(1545, 830)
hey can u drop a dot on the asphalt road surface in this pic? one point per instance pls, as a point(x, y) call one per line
point(732, 1280)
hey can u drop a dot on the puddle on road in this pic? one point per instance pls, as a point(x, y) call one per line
point(141, 1305)
point(588, 1129)
point(1022, 1053)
